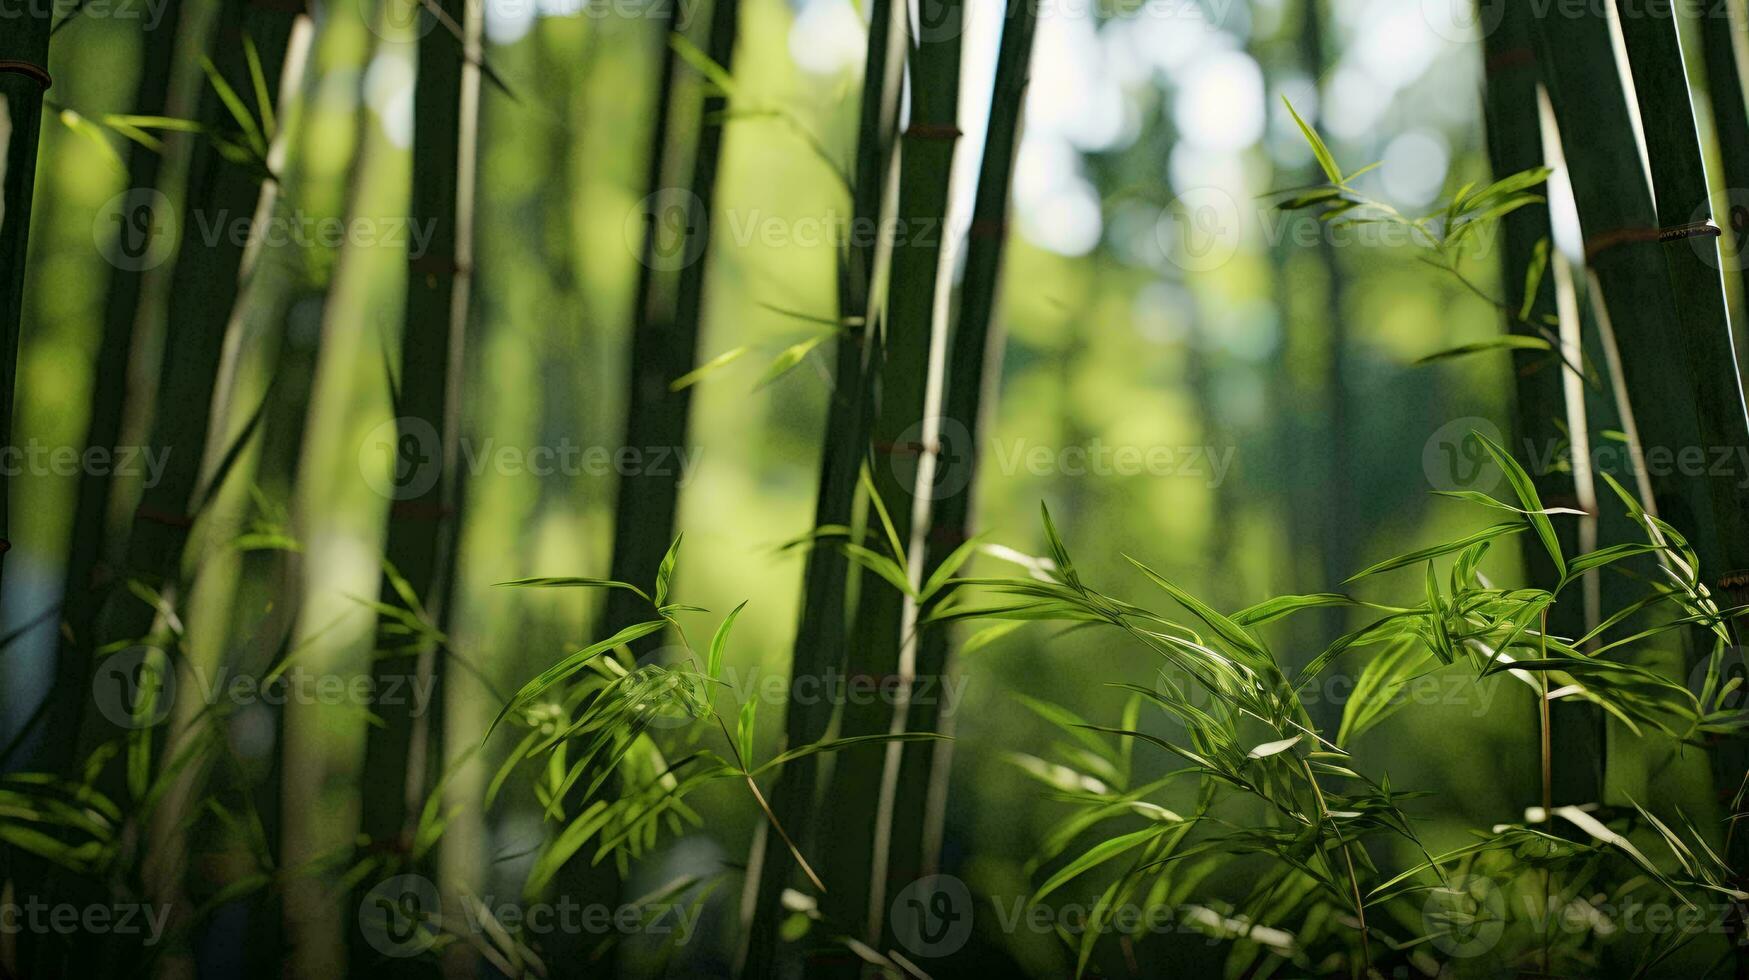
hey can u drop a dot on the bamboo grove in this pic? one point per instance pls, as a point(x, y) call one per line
point(524, 711)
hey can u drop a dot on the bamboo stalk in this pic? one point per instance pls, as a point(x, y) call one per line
point(821, 633)
point(974, 369)
point(1717, 27)
point(24, 76)
point(1691, 254)
point(86, 578)
point(861, 782)
point(400, 763)
point(1515, 144)
point(1620, 223)
point(204, 290)
point(665, 334)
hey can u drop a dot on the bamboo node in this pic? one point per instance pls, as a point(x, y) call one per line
point(1514, 58)
point(933, 131)
point(415, 510)
point(28, 69)
point(156, 516)
point(1735, 586)
point(1627, 236)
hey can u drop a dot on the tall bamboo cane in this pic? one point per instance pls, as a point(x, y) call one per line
point(24, 76)
point(400, 757)
point(859, 820)
point(1621, 230)
point(1684, 211)
point(1514, 130)
point(86, 579)
point(818, 652)
point(665, 332)
point(204, 290)
point(974, 367)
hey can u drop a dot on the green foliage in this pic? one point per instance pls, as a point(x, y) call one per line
point(1268, 782)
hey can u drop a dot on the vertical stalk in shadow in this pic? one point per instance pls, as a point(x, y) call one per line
point(974, 367)
point(1702, 327)
point(664, 342)
point(1543, 417)
point(24, 76)
point(86, 580)
point(818, 652)
point(858, 823)
point(1336, 529)
point(400, 760)
point(204, 290)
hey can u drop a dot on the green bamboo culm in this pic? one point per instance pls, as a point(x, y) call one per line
point(203, 292)
point(1691, 252)
point(1515, 145)
point(24, 76)
point(403, 755)
point(664, 344)
point(1334, 457)
point(974, 365)
point(818, 652)
point(87, 580)
point(1724, 90)
point(858, 823)
point(1620, 225)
